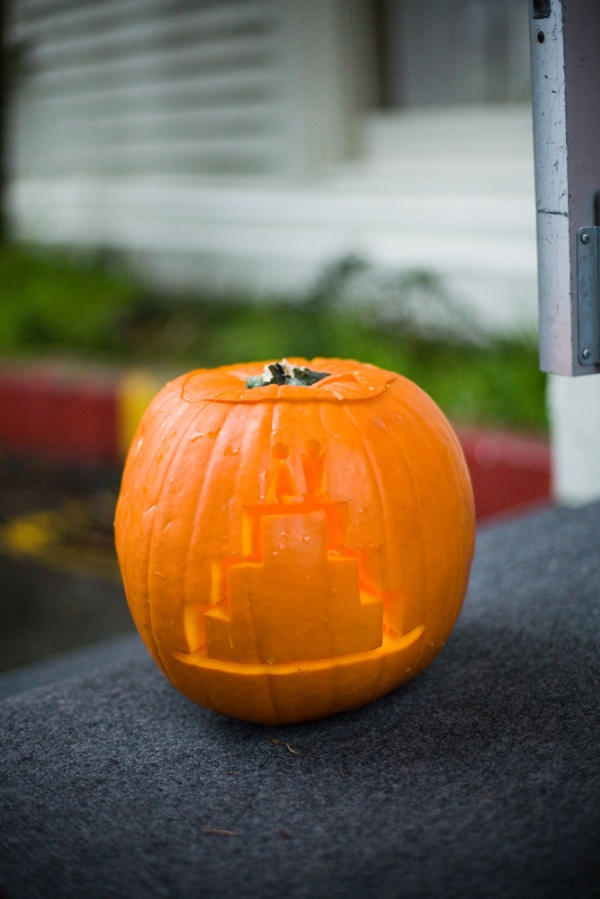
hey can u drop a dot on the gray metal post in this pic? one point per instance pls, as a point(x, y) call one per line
point(565, 67)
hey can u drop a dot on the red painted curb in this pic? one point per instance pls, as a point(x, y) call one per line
point(59, 411)
point(74, 415)
point(509, 472)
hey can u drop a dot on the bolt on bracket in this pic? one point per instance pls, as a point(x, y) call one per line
point(588, 294)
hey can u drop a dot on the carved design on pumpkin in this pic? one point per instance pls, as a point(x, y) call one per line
point(389, 499)
point(337, 611)
point(257, 591)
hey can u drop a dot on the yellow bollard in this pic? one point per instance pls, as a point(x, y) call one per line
point(138, 386)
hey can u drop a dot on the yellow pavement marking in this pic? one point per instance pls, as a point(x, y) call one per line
point(68, 538)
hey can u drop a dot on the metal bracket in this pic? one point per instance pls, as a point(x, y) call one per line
point(588, 294)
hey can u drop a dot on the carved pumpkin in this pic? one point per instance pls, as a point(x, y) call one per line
point(295, 546)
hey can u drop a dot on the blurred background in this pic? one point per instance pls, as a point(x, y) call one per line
point(209, 181)
point(187, 184)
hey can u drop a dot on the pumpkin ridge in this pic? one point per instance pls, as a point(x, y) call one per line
point(459, 468)
point(460, 475)
point(380, 493)
point(272, 694)
point(152, 542)
point(134, 465)
point(201, 489)
point(211, 460)
point(267, 428)
point(334, 673)
point(417, 504)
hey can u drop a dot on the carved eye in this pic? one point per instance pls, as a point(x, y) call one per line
point(316, 568)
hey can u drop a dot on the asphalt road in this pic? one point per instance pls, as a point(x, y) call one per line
point(60, 587)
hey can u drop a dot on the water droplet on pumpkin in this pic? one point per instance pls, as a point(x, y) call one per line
point(281, 450)
point(306, 538)
point(231, 451)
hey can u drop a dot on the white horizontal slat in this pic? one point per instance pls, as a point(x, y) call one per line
point(44, 7)
point(169, 151)
point(122, 138)
point(77, 83)
point(223, 111)
point(435, 223)
point(126, 59)
point(197, 88)
point(178, 47)
point(199, 158)
point(36, 20)
point(232, 118)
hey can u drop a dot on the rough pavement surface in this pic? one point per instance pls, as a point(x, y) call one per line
point(480, 778)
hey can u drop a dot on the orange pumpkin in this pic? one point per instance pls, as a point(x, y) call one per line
point(295, 549)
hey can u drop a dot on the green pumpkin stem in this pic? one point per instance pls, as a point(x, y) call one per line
point(285, 373)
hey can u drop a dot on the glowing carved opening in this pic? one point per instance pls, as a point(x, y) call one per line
point(293, 596)
point(299, 602)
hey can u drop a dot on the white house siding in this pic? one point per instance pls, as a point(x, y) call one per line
point(221, 144)
point(134, 87)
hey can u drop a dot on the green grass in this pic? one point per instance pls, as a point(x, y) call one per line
point(48, 302)
point(57, 306)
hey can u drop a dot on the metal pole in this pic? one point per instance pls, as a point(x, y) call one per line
point(565, 67)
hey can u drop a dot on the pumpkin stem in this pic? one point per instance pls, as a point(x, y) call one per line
point(285, 373)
